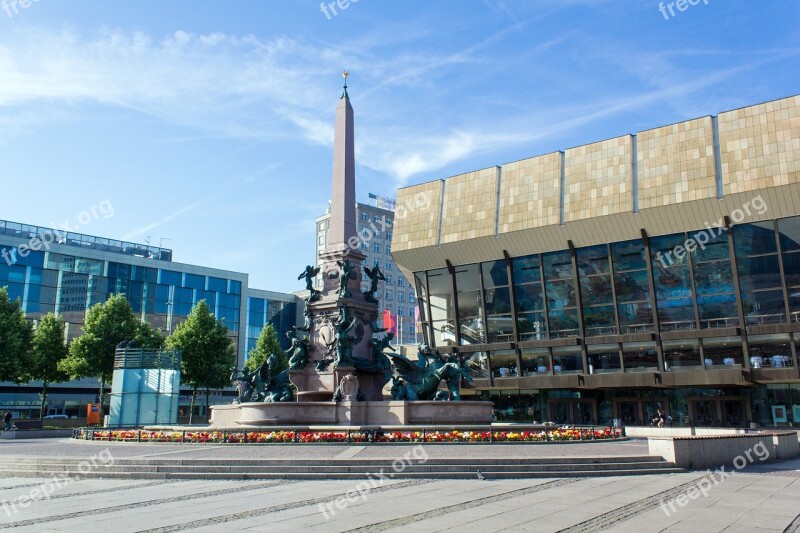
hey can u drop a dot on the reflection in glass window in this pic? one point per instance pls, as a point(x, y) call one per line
point(681, 354)
point(723, 353)
point(526, 269)
point(754, 239)
point(504, 363)
point(640, 357)
point(567, 360)
point(628, 255)
point(770, 351)
point(494, 274)
point(604, 358)
point(536, 362)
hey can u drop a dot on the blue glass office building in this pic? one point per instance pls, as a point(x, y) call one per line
point(78, 271)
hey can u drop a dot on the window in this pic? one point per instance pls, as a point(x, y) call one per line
point(388, 249)
point(400, 310)
point(364, 246)
point(412, 298)
point(400, 296)
point(388, 295)
point(376, 262)
point(321, 240)
point(376, 218)
point(400, 282)
point(388, 280)
point(322, 226)
point(388, 235)
point(376, 248)
point(364, 216)
point(388, 265)
point(411, 312)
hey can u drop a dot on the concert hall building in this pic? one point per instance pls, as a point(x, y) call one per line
point(602, 282)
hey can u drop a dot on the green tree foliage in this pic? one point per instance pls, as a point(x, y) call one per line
point(107, 324)
point(15, 340)
point(208, 353)
point(48, 349)
point(267, 344)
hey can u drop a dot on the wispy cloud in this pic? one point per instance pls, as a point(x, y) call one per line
point(142, 230)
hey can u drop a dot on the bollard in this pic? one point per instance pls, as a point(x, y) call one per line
point(244, 437)
point(139, 436)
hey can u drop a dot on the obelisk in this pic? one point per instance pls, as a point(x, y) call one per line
point(343, 319)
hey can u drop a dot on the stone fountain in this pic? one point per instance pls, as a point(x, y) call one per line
point(339, 362)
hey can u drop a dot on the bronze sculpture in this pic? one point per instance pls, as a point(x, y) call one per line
point(420, 381)
point(299, 351)
point(375, 275)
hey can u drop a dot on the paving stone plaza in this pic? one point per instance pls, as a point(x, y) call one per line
point(756, 498)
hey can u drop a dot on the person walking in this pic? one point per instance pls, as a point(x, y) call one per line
point(7, 419)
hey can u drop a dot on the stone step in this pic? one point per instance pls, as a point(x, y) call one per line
point(471, 474)
point(428, 467)
point(10, 460)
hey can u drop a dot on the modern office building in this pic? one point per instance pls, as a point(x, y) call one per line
point(660, 269)
point(396, 295)
point(76, 271)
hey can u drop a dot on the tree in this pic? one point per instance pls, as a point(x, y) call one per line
point(107, 324)
point(47, 351)
point(208, 352)
point(267, 345)
point(15, 340)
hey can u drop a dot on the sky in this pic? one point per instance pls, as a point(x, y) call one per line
point(207, 126)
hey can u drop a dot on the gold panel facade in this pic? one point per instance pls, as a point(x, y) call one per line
point(470, 205)
point(760, 146)
point(530, 193)
point(416, 220)
point(676, 163)
point(598, 179)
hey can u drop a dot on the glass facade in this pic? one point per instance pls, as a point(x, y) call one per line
point(695, 291)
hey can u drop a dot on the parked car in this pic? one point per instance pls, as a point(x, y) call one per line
point(54, 417)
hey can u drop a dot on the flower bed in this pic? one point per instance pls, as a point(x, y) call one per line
point(311, 437)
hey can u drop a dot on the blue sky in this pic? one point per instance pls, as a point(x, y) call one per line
point(210, 124)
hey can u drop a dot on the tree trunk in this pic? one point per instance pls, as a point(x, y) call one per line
point(207, 406)
point(43, 397)
point(191, 405)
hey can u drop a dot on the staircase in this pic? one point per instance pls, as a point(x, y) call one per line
point(256, 469)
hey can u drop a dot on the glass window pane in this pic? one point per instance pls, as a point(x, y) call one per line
point(567, 360)
point(640, 357)
point(529, 298)
point(789, 232)
point(535, 362)
point(754, 239)
point(560, 294)
point(718, 311)
point(563, 323)
point(791, 268)
point(761, 272)
point(713, 278)
point(593, 260)
point(632, 286)
point(167, 277)
point(531, 326)
point(596, 290)
point(770, 351)
point(682, 355)
point(526, 269)
point(672, 282)
point(711, 245)
point(504, 363)
point(604, 358)
point(723, 353)
point(628, 255)
point(676, 314)
point(668, 250)
point(599, 321)
point(495, 274)
point(468, 278)
point(557, 265)
point(500, 328)
point(217, 284)
point(636, 317)
point(763, 307)
point(498, 301)
point(440, 282)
